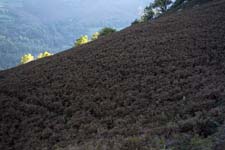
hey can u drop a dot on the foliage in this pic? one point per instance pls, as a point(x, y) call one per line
point(153, 10)
point(45, 54)
point(161, 5)
point(148, 13)
point(177, 3)
point(106, 31)
point(194, 142)
point(133, 143)
point(27, 58)
point(95, 36)
point(82, 40)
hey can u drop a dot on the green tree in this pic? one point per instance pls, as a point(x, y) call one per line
point(106, 31)
point(27, 58)
point(153, 10)
point(95, 36)
point(82, 40)
point(148, 13)
point(45, 54)
point(161, 5)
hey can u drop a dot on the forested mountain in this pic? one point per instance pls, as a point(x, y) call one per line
point(33, 26)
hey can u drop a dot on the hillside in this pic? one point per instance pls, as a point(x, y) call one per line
point(153, 86)
point(34, 26)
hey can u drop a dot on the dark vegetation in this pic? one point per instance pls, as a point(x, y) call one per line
point(154, 86)
point(106, 31)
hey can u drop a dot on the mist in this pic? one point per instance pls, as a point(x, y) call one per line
point(88, 10)
point(34, 26)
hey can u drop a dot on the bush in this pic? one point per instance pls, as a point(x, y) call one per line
point(148, 13)
point(162, 5)
point(95, 36)
point(177, 3)
point(82, 40)
point(27, 58)
point(45, 54)
point(106, 31)
point(155, 9)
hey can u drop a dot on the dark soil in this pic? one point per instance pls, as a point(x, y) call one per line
point(159, 85)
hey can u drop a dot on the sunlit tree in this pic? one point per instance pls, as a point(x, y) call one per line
point(82, 40)
point(45, 54)
point(95, 36)
point(27, 58)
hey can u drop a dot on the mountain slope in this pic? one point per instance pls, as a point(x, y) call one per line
point(159, 85)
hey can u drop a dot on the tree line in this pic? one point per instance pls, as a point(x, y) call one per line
point(156, 9)
point(103, 32)
point(80, 41)
point(29, 57)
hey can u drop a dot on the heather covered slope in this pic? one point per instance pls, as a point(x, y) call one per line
point(159, 85)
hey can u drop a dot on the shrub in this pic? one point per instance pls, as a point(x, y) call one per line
point(106, 31)
point(148, 13)
point(45, 54)
point(162, 5)
point(155, 9)
point(95, 36)
point(82, 40)
point(27, 58)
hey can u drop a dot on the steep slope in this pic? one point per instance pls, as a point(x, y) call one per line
point(159, 85)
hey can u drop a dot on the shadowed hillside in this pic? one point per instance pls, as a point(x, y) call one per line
point(153, 86)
